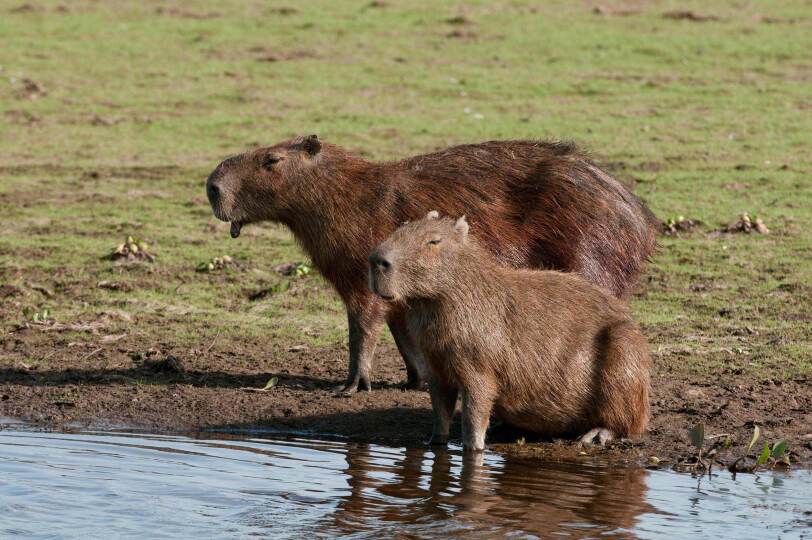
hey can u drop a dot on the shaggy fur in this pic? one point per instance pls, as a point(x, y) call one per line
point(531, 203)
point(546, 351)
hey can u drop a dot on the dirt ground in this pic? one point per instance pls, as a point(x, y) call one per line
point(165, 388)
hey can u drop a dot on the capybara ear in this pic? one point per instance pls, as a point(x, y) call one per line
point(461, 227)
point(311, 144)
point(434, 214)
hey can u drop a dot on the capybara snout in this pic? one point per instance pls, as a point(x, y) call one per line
point(407, 264)
point(380, 273)
point(246, 188)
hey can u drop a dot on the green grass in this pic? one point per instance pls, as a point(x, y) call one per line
point(710, 119)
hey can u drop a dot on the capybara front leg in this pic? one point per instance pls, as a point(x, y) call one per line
point(443, 402)
point(364, 331)
point(415, 364)
point(476, 414)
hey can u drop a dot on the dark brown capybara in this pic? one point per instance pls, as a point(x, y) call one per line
point(546, 351)
point(531, 203)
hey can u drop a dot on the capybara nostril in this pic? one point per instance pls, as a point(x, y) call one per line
point(378, 261)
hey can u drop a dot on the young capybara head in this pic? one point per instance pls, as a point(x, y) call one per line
point(414, 261)
point(253, 186)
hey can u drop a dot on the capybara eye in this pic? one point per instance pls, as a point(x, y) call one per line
point(269, 161)
point(434, 242)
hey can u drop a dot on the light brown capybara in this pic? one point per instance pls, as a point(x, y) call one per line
point(546, 351)
point(531, 203)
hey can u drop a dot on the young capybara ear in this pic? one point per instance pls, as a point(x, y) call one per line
point(434, 214)
point(461, 227)
point(310, 144)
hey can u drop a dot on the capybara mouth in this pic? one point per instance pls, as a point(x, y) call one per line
point(235, 228)
point(374, 287)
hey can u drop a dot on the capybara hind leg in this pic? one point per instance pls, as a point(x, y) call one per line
point(364, 331)
point(415, 364)
point(623, 388)
point(476, 414)
point(602, 435)
point(443, 402)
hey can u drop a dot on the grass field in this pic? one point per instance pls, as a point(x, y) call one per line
point(113, 114)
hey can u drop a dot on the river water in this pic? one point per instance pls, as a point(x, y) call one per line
point(135, 485)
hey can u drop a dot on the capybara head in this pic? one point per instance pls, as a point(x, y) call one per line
point(414, 261)
point(253, 186)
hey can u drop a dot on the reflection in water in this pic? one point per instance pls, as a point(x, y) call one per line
point(446, 492)
point(80, 485)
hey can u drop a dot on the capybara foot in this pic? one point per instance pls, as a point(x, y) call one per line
point(353, 385)
point(603, 436)
point(415, 383)
point(437, 440)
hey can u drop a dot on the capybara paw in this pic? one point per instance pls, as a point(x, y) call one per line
point(435, 440)
point(415, 384)
point(352, 386)
point(602, 435)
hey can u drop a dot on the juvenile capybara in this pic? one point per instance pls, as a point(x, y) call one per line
point(546, 351)
point(532, 204)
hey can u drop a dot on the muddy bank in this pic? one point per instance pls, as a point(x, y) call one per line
point(161, 388)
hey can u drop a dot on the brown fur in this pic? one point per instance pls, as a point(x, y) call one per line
point(533, 204)
point(546, 351)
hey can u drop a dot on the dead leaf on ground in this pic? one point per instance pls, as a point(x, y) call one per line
point(270, 384)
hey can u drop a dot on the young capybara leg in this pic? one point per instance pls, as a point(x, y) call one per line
point(623, 382)
point(365, 327)
point(476, 414)
point(443, 402)
point(415, 364)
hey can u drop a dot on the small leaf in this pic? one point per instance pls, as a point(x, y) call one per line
point(271, 383)
point(756, 435)
point(779, 448)
point(765, 455)
point(697, 435)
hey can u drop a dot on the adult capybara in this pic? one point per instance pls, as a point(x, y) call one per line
point(533, 204)
point(546, 351)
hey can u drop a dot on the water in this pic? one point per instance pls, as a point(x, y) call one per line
point(124, 485)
